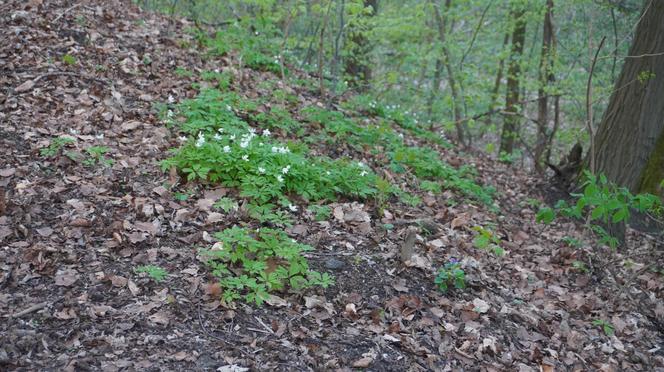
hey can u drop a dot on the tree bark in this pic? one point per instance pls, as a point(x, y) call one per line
point(546, 77)
point(511, 119)
point(358, 62)
point(451, 80)
point(629, 144)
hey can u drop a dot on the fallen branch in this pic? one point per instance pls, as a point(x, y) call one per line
point(29, 310)
point(29, 84)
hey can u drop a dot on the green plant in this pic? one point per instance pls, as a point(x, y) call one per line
point(267, 213)
point(410, 199)
point(431, 186)
point(250, 264)
point(572, 242)
point(487, 240)
point(54, 147)
point(183, 72)
point(69, 60)
point(604, 202)
point(156, 273)
point(226, 204)
point(223, 79)
point(225, 149)
point(581, 266)
point(97, 154)
point(451, 274)
point(182, 196)
point(321, 212)
point(605, 326)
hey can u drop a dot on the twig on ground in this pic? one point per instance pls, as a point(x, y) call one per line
point(29, 310)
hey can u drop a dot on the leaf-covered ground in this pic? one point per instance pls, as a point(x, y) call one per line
point(75, 223)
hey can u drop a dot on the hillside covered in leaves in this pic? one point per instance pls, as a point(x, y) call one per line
point(175, 196)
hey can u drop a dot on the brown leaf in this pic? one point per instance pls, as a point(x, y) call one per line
point(363, 362)
point(460, 220)
point(26, 86)
point(65, 278)
point(7, 172)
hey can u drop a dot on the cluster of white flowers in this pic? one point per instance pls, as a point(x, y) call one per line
point(227, 148)
point(279, 178)
point(261, 170)
point(200, 141)
point(280, 149)
point(247, 137)
point(266, 133)
point(285, 169)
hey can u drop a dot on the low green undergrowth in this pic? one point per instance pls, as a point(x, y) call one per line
point(601, 204)
point(252, 264)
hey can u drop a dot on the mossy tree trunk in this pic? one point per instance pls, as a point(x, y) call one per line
point(511, 122)
point(629, 144)
point(358, 61)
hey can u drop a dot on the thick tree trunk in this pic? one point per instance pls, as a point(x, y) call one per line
point(511, 121)
point(629, 144)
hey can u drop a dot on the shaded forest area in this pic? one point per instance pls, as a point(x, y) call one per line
point(331, 185)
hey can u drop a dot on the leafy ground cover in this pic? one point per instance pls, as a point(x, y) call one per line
point(174, 205)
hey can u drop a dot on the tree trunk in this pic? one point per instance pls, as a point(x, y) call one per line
point(546, 77)
point(358, 62)
point(451, 80)
point(629, 144)
point(511, 121)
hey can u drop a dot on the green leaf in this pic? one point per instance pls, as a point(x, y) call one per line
point(545, 215)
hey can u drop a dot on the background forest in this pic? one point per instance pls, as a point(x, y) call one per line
point(462, 67)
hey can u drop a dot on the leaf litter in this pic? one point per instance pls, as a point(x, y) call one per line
point(71, 235)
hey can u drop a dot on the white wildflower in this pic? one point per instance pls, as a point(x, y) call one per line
point(292, 207)
point(220, 130)
point(227, 148)
point(232, 137)
point(217, 137)
point(245, 157)
point(363, 173)
point(266, 133)
point(169, 114)
point(285, 169)
point(261, 170)
point(244, 144)
point(229, 108)
point(100, 136)
point(171, 99)
point(200, 141)
point(279, 178)
point(182, 138)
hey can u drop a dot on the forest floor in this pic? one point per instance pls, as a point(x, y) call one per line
point(73, 229)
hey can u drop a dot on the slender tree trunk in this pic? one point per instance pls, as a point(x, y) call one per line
point(451, 79)
point(495, 92)
point(435, 89)
point(511, 120)
point(546, 77)
point(629, 144)
point(358, 62)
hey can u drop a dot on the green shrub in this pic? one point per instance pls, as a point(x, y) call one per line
point(251, 264)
